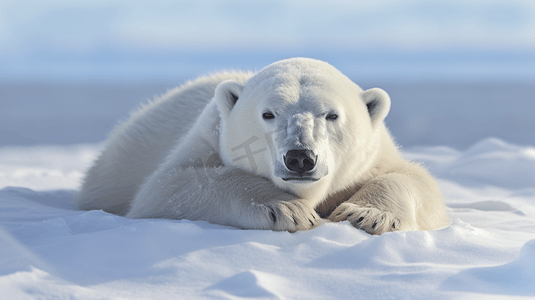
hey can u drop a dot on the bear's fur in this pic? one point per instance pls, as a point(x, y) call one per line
point(280, 149)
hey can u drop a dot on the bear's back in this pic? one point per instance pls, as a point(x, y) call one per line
point(136, 147)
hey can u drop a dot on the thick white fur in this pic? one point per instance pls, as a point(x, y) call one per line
point(204, 151)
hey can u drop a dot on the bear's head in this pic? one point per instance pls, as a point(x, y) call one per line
point(302, 124)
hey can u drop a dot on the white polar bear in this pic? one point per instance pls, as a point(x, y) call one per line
point(272, 150)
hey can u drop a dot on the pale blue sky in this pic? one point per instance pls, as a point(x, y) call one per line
point(58, 37)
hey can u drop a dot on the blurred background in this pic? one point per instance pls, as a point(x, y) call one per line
point(457, 71)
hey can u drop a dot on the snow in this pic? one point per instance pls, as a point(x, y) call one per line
point(45, 167)
point(51, 250)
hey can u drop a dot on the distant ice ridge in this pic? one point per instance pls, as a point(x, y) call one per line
point(488, 162)
point(45, 167)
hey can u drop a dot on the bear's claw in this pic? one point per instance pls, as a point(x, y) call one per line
point(272, 215)
point(369, 219)
point(291, 216)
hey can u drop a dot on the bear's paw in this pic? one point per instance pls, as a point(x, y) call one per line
point(290, 216)
point(367, 218)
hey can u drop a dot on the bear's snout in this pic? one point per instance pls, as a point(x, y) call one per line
point(300, 160)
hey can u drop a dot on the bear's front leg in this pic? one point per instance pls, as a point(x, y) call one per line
point(228, 196)
point(386, 203)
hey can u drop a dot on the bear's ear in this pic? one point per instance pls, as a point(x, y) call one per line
point(378, 103)
point(226, 95)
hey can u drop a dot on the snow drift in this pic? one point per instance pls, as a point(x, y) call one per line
point(50, 250)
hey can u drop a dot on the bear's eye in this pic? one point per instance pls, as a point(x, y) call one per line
point(268, 116)
point(331, 117)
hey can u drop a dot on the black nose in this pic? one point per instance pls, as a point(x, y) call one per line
point(300, 160)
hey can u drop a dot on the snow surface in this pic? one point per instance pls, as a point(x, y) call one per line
point(49, 250)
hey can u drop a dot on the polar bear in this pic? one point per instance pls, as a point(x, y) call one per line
point(281, 149)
